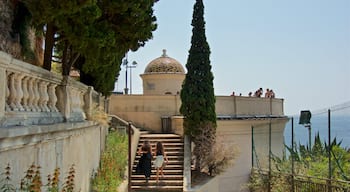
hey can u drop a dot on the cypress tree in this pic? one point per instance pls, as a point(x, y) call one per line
point(197, 94)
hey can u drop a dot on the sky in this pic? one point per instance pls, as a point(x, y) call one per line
point(299, 48)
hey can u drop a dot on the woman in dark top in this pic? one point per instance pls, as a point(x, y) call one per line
point(145, 162)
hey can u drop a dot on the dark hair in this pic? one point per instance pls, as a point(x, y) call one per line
point(146, 146)
point(160, 147)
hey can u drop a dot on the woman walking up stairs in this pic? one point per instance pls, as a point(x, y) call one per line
point(172, 181)
point(159, 163)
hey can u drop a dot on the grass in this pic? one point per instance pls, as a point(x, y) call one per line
point(113, 163)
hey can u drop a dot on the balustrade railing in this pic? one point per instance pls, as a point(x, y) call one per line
point(30, 95)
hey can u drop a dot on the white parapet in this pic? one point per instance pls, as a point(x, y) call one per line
point(31, 95)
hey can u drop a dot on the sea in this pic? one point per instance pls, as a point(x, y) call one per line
point(339, 129)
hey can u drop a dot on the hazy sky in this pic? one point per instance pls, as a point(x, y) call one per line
point(298, 48)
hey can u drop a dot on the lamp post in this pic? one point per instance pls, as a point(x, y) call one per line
point(134, 64)
point(126, 64)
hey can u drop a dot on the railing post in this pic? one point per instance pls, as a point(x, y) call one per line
point(3, 90)
point(269, 189)
point(234, 106)
point(100, 100)
point(292, 155)
point(88, 102)
point(329, 153)
point(106, 104)
point(129, 156)
point(252, 128)
point(187, 163)
point(5, 60)
point(271, 106)
point(64, 101)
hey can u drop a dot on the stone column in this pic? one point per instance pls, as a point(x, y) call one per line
point(106, 106)
point(63, 99)
point(3, 92)
point(187, 164)
point(13, 94)
point(31, 95)
point(19, 91)
point(44, 96)
point(25, 93)
point(5, 60)
point(88, 102)
point(52, 97)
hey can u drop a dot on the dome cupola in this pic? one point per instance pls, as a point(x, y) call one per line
point(163, 75)
point(164, 64)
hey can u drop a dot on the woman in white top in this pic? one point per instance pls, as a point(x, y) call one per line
point(160, 157)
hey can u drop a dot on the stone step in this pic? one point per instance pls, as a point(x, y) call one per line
point(173, 159)
point(153, 177)
point(172, 162)
point(166, 172)
point(160, 135)
point(170, 153)
point(170, 158)
point(175, 148)
point(167, 167)
point(176, 144)
point(157, 188)
point(154, 182)
point(174, 165)
point(173, 171)
point(164, 141)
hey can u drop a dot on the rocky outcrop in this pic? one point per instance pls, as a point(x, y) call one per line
point(10, 38)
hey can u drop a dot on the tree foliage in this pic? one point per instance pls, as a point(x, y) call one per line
point(92, 35)
point(21, 26)
point(197, 94)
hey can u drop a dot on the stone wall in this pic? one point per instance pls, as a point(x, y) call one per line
point(239, 134)
point(31, 95)
point(44, 121)
point(53, 146)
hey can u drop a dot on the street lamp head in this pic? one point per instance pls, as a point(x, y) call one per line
point(134, 63)
point(305, 117)
point(125, 62)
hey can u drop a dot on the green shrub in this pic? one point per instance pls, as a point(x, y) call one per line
point(113, 163)
point(5, 180)
point(309, 163)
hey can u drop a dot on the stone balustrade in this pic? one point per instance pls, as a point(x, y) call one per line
point(30, 95)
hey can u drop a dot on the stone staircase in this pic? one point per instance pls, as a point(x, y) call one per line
point(173, 171)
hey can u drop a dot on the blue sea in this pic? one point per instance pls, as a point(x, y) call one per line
point(340, 129)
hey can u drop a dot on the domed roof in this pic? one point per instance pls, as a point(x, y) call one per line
point(164, 64)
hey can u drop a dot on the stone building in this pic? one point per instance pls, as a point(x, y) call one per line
point(163, 75)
